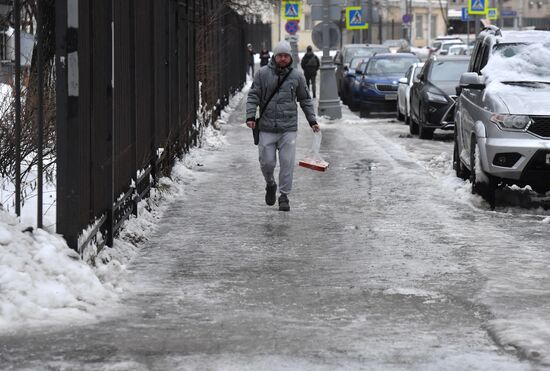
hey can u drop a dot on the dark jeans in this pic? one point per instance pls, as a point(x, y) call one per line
point(311, 78)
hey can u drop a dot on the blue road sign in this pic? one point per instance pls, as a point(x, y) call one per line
point(464, 17)
point(477, 6)
point(292, 27)
point(292, 10)
point(509, 13)
point(355, 19)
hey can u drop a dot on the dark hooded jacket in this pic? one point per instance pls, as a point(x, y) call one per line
point(310, 64)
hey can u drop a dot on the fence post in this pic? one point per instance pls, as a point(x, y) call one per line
point(67, 122)
point(17, 34)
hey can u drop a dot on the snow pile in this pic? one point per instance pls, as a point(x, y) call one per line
point(41, 279)
point(109, 263)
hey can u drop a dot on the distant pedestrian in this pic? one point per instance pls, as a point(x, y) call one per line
point(264, 57)
point(250, 53)
point(278, 124)
point(310, 65)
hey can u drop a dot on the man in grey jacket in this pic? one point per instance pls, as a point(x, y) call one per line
point(279, 122)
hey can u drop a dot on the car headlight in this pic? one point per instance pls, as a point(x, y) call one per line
point(368, 85)
point(511, 122)
point(438, 98)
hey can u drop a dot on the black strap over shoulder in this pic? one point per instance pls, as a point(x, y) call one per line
point(262, 110)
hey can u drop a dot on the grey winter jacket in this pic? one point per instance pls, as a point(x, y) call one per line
point(281, 114)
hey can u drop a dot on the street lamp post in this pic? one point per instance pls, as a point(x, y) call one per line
point(329, 103)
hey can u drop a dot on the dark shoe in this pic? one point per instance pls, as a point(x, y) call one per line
point(270, 194)
point(284, 204)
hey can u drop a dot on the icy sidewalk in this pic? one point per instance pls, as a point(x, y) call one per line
point(366, 271)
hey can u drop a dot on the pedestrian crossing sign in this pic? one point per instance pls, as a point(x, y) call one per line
point(355, 19)
point(292, 10)
point(492, 13)
point(477, 7)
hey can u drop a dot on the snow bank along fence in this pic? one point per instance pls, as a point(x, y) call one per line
point(131, 75)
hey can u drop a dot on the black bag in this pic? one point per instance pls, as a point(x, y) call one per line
point(256, 130)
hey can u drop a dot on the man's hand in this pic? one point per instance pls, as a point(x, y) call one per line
point(316, 128)
point(251, 124)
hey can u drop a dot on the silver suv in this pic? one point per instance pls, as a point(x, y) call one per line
point(502, 115)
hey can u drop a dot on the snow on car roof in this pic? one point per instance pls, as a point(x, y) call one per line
point(524, 37)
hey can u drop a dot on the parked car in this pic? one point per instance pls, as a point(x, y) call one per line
point(459, 49)
point(404, 92)
point(346, 54)
point(434, 94)
point(379, 84)
point(349, 78)
point(502, 115)
point(438, 41)
point(445, 45)
point(355, 88)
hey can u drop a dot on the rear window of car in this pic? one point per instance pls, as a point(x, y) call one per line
point(448, 70)
point(393, 66)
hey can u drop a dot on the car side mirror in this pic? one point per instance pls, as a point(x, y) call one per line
point(458, 90)
point(403, 80)
point(358, 71)
point(472, 80)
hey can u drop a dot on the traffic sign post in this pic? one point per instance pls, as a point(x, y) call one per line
point(465, 16)
point(292, 27)
point(492, 13)
point(292, 10)
point(355, 19)
point(477, 7)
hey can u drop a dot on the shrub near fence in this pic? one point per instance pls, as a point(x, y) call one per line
point(127, 102)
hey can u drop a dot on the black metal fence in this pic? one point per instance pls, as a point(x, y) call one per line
point(130, 75)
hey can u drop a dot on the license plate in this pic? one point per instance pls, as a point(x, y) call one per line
point(548, 159)
point(391, 97)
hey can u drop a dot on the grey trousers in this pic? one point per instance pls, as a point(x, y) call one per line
point(285, 143)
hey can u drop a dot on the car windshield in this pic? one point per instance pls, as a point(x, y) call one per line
point(436, 45)
point(390, 66)
point(448, 70)
point(448, 45)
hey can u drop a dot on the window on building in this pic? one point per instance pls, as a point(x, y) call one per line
point(419, 26)
point(433, 25)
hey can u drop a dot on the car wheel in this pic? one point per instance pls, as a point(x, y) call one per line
point(483, 184)
point(363, 110)
point(461, 171)
point(424, 132)
point(400, 116)
point(413, 126)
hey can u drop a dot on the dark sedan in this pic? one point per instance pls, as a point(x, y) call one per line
point(434, 94)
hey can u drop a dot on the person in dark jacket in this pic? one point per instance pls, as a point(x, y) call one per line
point(264, 57)
point(250, 53)
point(279, 123)
point(310, 65)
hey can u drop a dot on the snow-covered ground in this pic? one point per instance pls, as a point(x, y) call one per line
point(42, 281)
point(386, 261)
